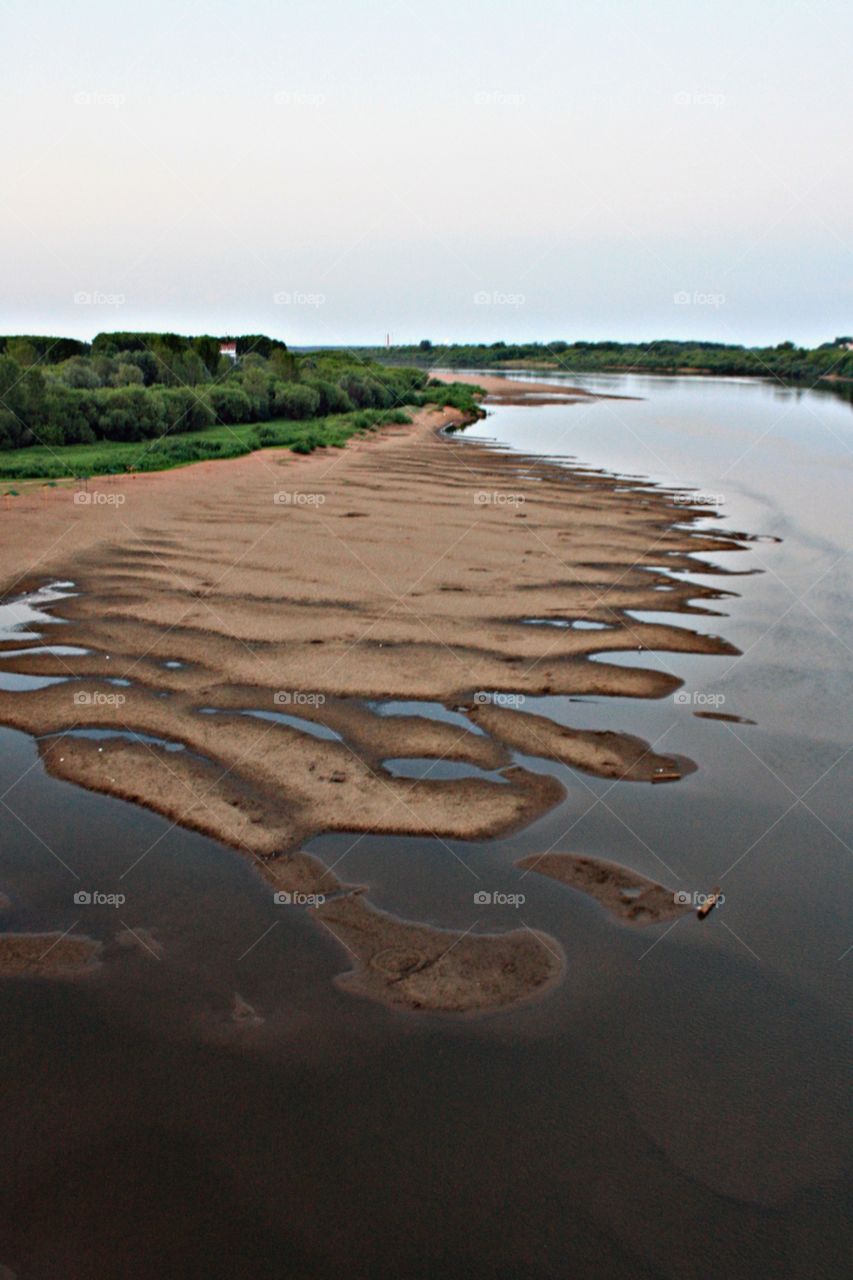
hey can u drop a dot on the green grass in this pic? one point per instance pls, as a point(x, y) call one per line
point(108, 457)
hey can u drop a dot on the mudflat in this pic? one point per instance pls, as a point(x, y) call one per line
point(248, 616)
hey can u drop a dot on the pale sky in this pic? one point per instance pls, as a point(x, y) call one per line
point(462, 170)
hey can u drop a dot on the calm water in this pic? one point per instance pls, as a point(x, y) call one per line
point(678, 1107)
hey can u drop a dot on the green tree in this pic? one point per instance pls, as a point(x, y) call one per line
point(293, 400)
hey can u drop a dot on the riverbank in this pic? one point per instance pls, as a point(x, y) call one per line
point(503, 391)
point(248, 617)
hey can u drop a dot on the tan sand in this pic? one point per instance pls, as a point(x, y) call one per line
point(47, 955)
point(630, 897)
point(416, 966)
point(401, 567)
point(502, 390)
point(606, 754)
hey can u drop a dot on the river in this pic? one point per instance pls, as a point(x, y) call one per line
point(677, 1107)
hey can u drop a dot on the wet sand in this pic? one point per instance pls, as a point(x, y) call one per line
point(415, 966)
point(507, 392)
point(605, 754)
point(47, 955)
point(630, 897)
point(401, 567)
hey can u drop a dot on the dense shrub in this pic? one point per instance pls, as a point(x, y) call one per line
point(128, 374)
point(11, 431)
point(77, 372)
point(293, 400)
point(264, 437)
point(69, 417)
point(183, 411)
point(230, 403)
point(333, 399)
point(131, 414)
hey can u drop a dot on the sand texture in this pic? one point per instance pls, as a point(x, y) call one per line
point(630, 897)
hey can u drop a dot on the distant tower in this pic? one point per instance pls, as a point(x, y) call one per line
point(387, 339)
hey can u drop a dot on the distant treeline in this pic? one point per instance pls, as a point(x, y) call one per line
point(139, 386)
point(785, 361)
point(28, 349)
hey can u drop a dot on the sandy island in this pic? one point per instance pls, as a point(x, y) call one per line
point(402, 567)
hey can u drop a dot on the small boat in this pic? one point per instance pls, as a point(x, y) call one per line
point(710, 902)
point(663, 774)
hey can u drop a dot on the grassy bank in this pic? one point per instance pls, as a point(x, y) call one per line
point(110, 457)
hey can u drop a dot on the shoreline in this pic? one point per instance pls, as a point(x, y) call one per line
point(224, 609)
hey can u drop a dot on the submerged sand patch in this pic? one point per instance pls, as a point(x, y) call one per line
point(627, 895)
point(47, 955)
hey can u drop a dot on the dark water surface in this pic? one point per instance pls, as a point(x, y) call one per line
point(677, 1107)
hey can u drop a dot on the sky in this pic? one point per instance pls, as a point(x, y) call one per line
point(329, 172)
